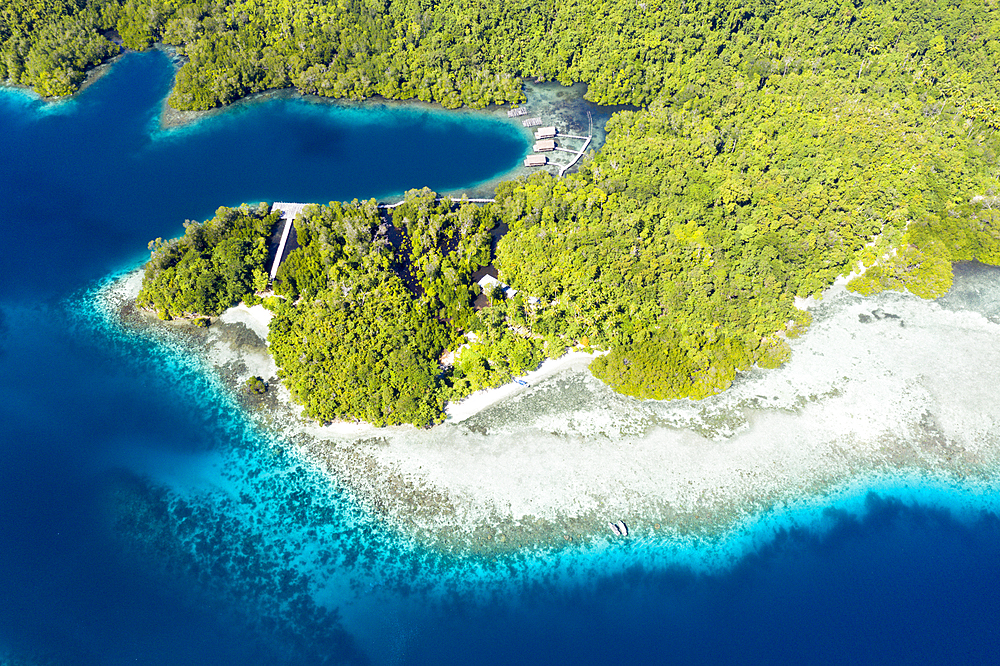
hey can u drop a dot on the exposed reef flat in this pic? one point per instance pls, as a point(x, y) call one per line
point(891, 390)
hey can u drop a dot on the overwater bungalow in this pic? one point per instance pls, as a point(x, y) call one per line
point(536, 160)
point(545, 145)
point(545, 133)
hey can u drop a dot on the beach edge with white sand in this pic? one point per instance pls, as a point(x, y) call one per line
point(522, 466)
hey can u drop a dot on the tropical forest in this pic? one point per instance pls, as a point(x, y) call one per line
point(772, 148)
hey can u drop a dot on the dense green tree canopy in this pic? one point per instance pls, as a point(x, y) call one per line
point(368, 352)
point(476, 52)
point(778, 146)
point(373, 298)
point(684, 242)
point(213, 266)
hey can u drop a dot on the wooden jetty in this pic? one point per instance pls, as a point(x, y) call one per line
point(578, 153)
point(289, 211)
point(519, 111)
point(531, 122)
point(453, 200)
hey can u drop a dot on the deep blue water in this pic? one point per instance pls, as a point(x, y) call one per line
point(85, 184)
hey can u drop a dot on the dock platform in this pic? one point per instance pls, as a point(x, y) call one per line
point(577, 153)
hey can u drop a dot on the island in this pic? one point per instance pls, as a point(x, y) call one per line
point(770, 152)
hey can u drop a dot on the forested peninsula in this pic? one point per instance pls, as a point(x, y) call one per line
point(776, 147)
point(365, 307)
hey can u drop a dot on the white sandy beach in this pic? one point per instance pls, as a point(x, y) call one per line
point(257, 318)
point(887, 386)
point(480, 400)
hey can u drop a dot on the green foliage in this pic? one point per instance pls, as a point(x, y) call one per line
point(495, 354)
point(370, 353)
point(921, 261)
point(659, 367)
point(373, 300)
point(925, 273)
point(782, 145)
point(681, 246)
point(255, 386)
point(213, 266)
point(928, 55)
point(443, 244)
point(47, 44)
point(774, 353)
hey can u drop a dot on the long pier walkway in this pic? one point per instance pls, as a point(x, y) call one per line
point(289, 211)
point(577, 153)
point(453, 200)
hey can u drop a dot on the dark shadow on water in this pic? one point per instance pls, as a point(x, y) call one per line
point(901, 585)
point(84, 597)
point(79, 583)
point(90, 187)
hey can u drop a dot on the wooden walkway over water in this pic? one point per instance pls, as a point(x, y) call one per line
point(577, 154)
point(453, 200)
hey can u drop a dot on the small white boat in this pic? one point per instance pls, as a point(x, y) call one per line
point(614, 528)
point(622, 528)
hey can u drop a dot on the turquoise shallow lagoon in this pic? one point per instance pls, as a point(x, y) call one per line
point(145, 518)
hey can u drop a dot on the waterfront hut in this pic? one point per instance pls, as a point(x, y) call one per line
point(536, 160)
point(545, 145)
point(545, 133)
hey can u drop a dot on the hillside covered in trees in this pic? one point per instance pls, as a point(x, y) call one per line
point(683, 244)
point(475, 52)
point(778, 146)
point(372, 299)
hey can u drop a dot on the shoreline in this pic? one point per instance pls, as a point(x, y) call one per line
point(256, 318)
point(548, 465)
point(563, 106)
point(483, 399)
point(91, 76)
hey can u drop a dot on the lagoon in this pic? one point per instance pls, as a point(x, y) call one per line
point(145, 518)
point(95, 177)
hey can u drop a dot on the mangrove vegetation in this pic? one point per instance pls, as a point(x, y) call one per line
point(774, 148)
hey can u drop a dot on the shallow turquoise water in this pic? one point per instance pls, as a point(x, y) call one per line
point(144, 519)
